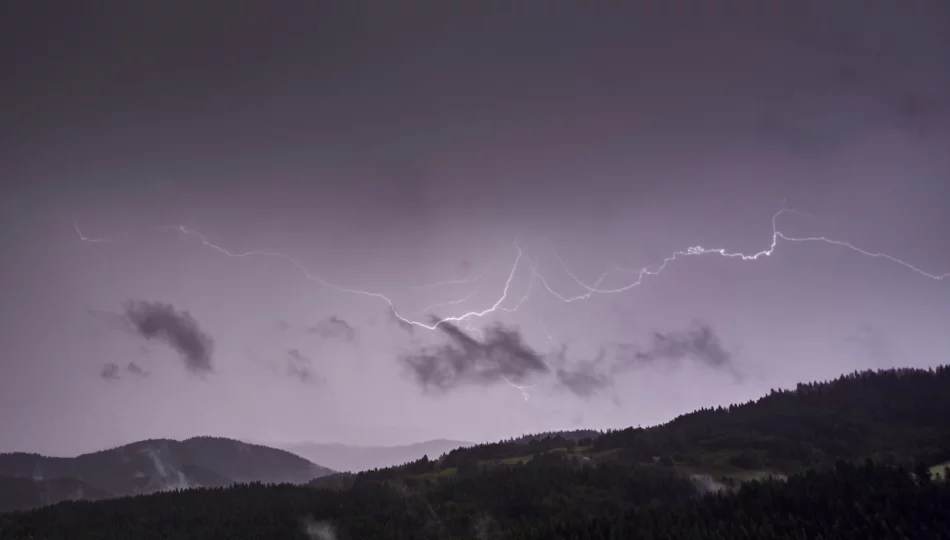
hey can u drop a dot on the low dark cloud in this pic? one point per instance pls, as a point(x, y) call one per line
point(136, 369)
point(110, 371)
point(501, 354)
point(582, 383)
point(583, 378)
point(155, 320)
point(334, 328)
point(300, 367)
point(699, 343)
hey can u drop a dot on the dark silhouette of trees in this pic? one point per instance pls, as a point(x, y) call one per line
point(548, 499)
point(858, 451)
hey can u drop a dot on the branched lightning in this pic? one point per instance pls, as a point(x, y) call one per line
point(590, 289)
point(777, 235)
point(521, 388)
point(536, 276)
point(90, 239)
point(313, 277)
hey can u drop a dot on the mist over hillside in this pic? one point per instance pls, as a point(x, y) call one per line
point(865, 455)
point(31, 480)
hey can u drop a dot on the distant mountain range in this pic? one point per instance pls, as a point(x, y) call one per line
point(347, 458)
point(855, 457)
point(32, 480)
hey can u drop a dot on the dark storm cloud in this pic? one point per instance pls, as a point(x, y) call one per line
point(155, 320)
point(501, 354)
point(136, 369)
point(583, 378)
point(582, 383)
point(300, 367)
point(699, 343)
point(110, 371)
point(334, 327)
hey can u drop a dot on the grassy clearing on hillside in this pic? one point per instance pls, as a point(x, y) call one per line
point(440, 473)
point(518, 460)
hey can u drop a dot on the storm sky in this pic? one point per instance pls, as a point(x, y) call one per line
point(417, 152)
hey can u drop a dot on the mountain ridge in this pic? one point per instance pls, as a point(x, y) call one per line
point(147, 466)
point(864, 455)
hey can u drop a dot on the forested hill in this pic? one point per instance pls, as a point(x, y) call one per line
point(862, 456)
point(574, 435)
point(31, 480)
point(540, 500)
point(896, 416)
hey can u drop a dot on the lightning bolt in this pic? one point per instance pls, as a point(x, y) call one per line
point(693, 251)
point(536, 276)
point(521, 388)
point(544, 328)
point(91, 240)
point(371, 294)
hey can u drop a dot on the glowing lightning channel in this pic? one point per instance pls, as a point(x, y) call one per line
point(544, 328)
point(313, 277)
point(699, 250)
point(521, 388)
point(537, 276)
point(89, 239)
point(527, 293)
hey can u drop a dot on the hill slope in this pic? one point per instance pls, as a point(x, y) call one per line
point(145, 467)
point(690, 478)
point(532, 502)
point(898, 416)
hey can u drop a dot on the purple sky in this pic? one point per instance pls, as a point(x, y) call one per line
point(387, 149)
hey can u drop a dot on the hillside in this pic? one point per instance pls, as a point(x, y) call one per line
point(540, 500)
point(25, 493)
point(897, 416)
point(28, 480)
point(351, 458)
point(862, 456)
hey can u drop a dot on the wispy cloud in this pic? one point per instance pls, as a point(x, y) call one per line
point(300, 367)
point(699, 343)
point(110, 371)
point(500, 355)
point(136, 369)
point(334, 327)
point(155, 320)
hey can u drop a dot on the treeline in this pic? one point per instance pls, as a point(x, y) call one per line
point(897, 416)
point(857, 451)
point(548, 499)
